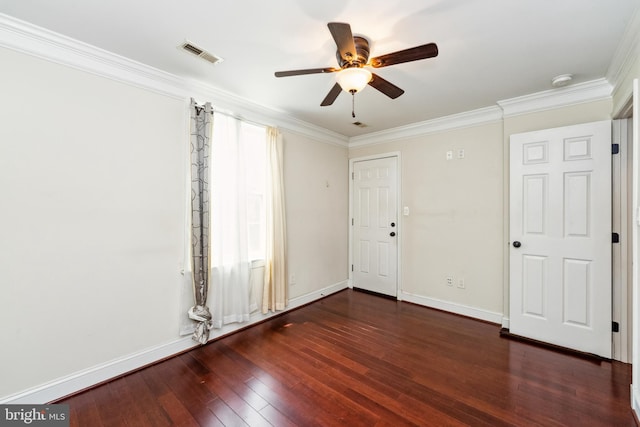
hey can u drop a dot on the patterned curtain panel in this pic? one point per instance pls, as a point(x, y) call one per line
point(201, 126)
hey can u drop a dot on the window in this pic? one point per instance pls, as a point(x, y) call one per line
point(255, 137)
point(238, 188)
point(243, 164)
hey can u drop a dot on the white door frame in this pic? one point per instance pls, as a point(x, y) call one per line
point(621, 279)
point(635, 255)
point(395, 154)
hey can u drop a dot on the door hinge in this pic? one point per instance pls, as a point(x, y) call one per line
point(353, 175)
point(615, 148)
point(351, 267)
point(615, 238)
point(352, 221)
point(615, 326)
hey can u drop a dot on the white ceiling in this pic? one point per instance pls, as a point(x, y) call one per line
point(490, 50)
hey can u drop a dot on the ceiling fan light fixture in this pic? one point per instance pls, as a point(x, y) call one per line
point(353, 79)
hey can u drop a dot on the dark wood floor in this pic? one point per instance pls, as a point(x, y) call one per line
point(354, 359)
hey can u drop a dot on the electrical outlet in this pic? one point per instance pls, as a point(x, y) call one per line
point(449, 155)
point(461, 153)
point(461, 283)
point(449, 281)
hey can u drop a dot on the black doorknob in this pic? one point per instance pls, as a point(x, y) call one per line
point(393, 224)
point(393, 233)
point(517, 244)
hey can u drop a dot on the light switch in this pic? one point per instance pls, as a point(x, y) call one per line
point(405, 211)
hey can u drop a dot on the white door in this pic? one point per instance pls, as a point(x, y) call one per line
point(375, 225)
point(560, 235)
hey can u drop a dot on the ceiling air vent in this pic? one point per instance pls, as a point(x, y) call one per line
point(360, 124)
point(197, 51)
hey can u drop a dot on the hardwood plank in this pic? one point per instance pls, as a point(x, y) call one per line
point(360, 360)
point(122, 406)
point(300, 411)
point(235, 402)
point(224, 414)
point(140, 395)
point(176, 410)
point(233, 373)
point(275, 417)
point(85, 410)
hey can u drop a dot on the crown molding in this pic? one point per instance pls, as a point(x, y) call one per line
point(627, 52)
point(246, 109)
point(579, 93)
point(455, 121)
point(621, 69)
point(27, 38)
point(39, 42)
point(541, 101)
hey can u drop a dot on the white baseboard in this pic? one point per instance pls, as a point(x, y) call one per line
point(505, 322)
point(310, 297)
point(86, 378)
point(635, 400)
point(464, 310)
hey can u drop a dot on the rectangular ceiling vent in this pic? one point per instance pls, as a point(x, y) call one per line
point(199, 52)
point(360, 124)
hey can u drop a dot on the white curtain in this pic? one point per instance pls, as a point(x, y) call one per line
point(230, 264)
point(275, 294)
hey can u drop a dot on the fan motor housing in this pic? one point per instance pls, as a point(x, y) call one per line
point(362, 54)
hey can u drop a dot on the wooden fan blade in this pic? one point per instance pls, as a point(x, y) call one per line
point(384, 86)
point(307, 71)
point(332, 95)
point(343, 37)
point(425, 51)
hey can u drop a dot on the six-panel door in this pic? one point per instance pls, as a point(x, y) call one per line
point(560, 217)
point(375, 228)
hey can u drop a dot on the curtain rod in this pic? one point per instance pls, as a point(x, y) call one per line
point(200, 108)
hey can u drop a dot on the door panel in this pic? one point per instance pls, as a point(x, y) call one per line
point(577, 291)
point(375, 210)
point(534, 281)
point(535, 208)
point(577, 204)
point(560, 209)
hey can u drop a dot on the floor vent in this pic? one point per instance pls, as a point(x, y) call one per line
point(197, 51)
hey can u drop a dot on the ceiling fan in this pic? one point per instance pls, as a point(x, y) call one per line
point(353, 56)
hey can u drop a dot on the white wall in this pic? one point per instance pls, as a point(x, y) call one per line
point(455, 222)
point(316, 184)
point(92, 181)
point(459, 221)
point(92, 190)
